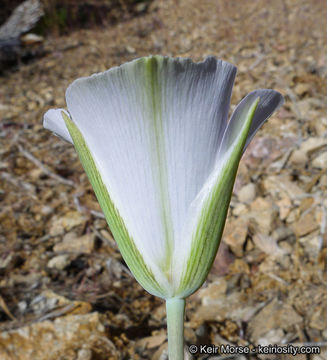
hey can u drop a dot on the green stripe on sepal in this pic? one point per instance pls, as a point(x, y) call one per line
point(125, 242)
point(207, 236)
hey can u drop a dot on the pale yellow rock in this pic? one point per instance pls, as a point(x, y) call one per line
point(303, 106)
point(239, 266)
point(302, 88)
point(268, 245)
point(306, 224)
point(31, 39)
point(59, 262)
point(319, 317)
point(285, 206)
point(281, 183)
point(240, 209)
point(323, 180)
point(312, 243)
point(77, 308)
point(213, 292)
point(72, 243)
point(298, 157)
point(264, 213)
point(313, 144)
point(63, 338)
point(247, 193)
point(274, 336)
point(153, 341)
point(234, 307)
point(162, 352)
point(320, 161)
point(293, 216)
point(274, 315)
point(65, 223)
point(235, 235)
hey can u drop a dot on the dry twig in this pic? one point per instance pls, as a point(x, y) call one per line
point(38, 163)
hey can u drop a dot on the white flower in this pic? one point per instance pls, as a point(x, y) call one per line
point(154, 139)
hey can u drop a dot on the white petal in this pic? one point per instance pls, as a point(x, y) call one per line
point(54, 121)
point(270, 100)
point(206, 217)
point(154, 126)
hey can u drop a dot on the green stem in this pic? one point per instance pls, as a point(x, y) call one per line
point(175, 325)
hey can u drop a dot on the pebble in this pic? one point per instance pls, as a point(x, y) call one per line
point(320, 161)
point(247, 193)
point(298, 157)
point(59, 262)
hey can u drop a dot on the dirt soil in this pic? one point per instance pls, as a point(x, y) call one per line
point(65, 292)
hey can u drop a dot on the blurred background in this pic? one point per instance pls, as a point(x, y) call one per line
point(65, 292)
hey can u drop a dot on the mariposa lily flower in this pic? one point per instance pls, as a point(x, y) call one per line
point(155, 142)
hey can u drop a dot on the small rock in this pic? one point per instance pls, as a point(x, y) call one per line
point(313, 144)
point(64, 338)
point(319, 317)
point(306, 224)
point(235, 234)
point(283, 233)
point(22, 306)
point(234, 307)
point(320, 161)
point(247, 193)
point(72, 243)
point(214, 291)
point(268, 245)
point(285, 206)
point(59, 262)
point(274, 336)
point(298, 157)
point(312, 244)
point(161, 353)
point(323, 180)
point(153, 341)
point(130, 49)
point(302, 88)
point(281, 183)
point(264, 214)
point(84, 354)
point(303, 106)
point(31, 39)
point(67, 222)
point(275, 315)
point(6, 261)
point(223, 260)
point(240, 209)
point(141, 7)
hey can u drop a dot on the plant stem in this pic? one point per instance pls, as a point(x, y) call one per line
point(175, 325)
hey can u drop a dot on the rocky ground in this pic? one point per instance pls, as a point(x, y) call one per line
point(65, 292)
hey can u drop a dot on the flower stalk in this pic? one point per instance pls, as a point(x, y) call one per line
point(175, 309)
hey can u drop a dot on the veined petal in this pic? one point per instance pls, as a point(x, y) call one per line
point(54, 121)
point(154, 125)
point(149, 276)
point(209, 210)
point(270, 100)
